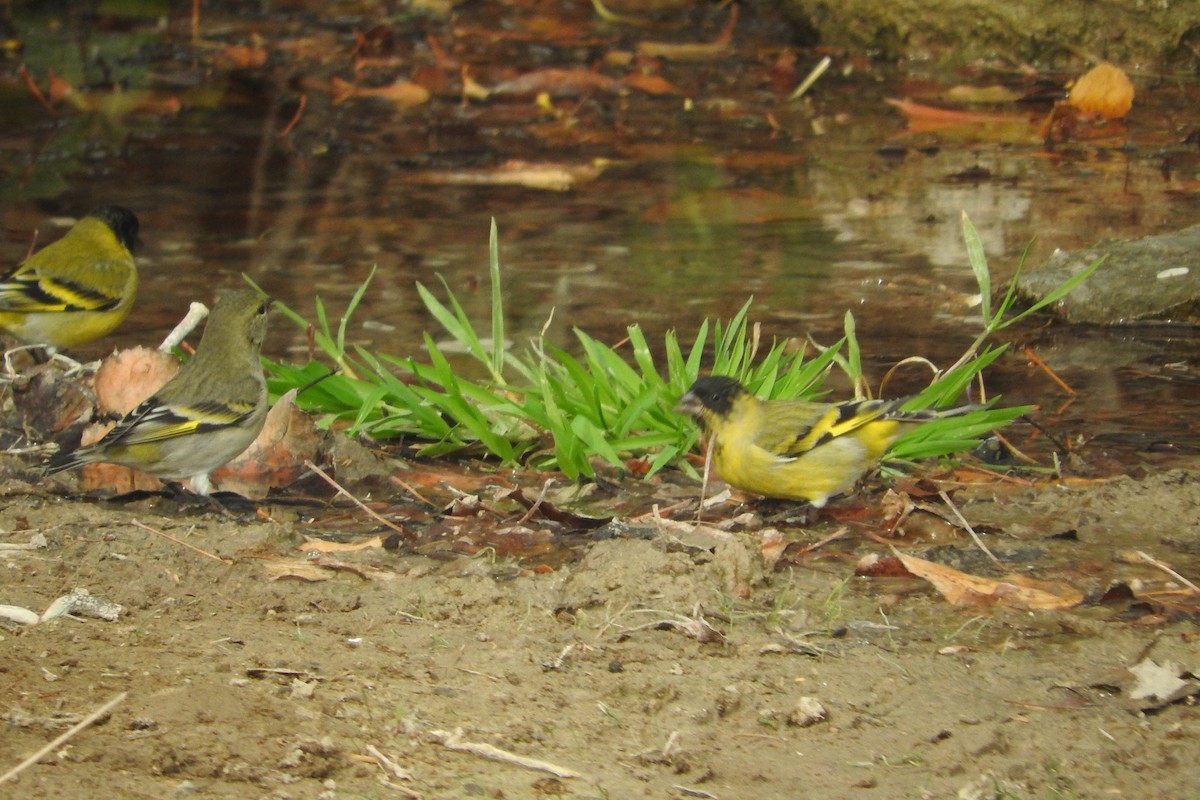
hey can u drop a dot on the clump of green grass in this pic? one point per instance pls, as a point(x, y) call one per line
point(544, 407)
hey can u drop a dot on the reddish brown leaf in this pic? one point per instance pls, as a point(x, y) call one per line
point(402, 93)
point(276, 458)
point(926, 118)
point(650, 84)
point(236, 56)
point(556, 83)
point(702, 51)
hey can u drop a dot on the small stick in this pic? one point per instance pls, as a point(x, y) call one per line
point(37, 93)
point(1015, 451)
point(179, 542)
point(453, 740)
point(812, 78)
point(353, 499)
point(404, 790)
point(1149, 559)
point(536, 503)
point(388, 764)
point(967, 526)
point(412, 491)
point(663, 513)
point(704, 483)
point(999, 477)
point(839, 533)
point(287, 129)
point(196, 312)
point(1037, 362)
point(54, 745)
point(494, 678)
point(560, 659)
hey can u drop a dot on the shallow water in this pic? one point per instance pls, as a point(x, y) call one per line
point(703, 199)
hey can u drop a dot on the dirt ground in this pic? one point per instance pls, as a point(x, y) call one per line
point(636, 671)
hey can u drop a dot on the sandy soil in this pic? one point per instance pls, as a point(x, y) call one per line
point(638, 670)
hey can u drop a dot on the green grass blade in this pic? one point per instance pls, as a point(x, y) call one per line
point(1054, 294)
point(977, 258)
point(498, 345)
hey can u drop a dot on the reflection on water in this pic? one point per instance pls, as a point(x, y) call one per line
point(812, 209)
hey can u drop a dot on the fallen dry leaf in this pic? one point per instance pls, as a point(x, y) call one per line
point(1105, 89)
point(923, 118)
point(991, 95)
point(326, 546)
point(323, 569)
point(650, 84)
point(702, 51)
point(127, 377)
point(402, 93)
point(1159, 682)
point(236, 56)
point(276, 458)
point(772, 545)
point(556, 83)
point(122, 382)
point(296, 570)
point(1014, 591)
point(875, 565)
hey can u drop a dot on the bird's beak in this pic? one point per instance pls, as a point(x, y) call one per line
point(689, 404)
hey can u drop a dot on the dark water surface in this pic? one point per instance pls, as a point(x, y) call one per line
point(687, 203)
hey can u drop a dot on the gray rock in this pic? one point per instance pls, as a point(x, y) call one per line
point(1155, 278)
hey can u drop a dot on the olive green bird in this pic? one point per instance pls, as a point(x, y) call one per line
point(78, 288)
point(208, 413)
point(796, 450)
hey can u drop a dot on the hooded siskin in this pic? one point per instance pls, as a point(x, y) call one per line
point(208, 413)
point(795, 450)
point(78, 288)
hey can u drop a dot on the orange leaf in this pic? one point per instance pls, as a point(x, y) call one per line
point(236, 56)
point(650, 84)
point(1105, 89)
point(1014, 591)
point(402, 93)
point(925, 117)
point(59, 88)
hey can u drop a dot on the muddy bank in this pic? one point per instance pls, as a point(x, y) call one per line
point(639, 671)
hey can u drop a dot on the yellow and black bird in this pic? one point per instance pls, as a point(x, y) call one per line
point(796, 450)
point(208, 413)
point(78, 288)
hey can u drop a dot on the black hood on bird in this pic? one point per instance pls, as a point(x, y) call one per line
point(716, 393)
point(124, 224)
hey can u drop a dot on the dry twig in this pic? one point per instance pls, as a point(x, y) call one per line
point(453, 740)
point(1149, 559)
point(391, 766)
point(58, 742)
point(179, 542)
point(370, 512)
point(967, 527)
